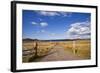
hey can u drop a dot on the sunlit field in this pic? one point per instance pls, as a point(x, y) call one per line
point(80, 48)
point(34, 51)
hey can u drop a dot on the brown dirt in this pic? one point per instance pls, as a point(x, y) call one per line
point(59, 54)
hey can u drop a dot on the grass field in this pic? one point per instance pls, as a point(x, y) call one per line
point(79, 48)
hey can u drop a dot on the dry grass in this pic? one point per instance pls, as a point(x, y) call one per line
point(43, 48)
point(81, 49)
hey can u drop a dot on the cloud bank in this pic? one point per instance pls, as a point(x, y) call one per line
point(79, 30)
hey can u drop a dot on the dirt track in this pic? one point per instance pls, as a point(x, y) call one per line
point(58, 54)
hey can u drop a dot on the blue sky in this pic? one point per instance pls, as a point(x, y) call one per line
point(46, 25)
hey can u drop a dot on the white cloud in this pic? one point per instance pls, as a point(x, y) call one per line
point(68, 14)
point(44, 24)
point(34, 23)
point(48, 13)
point(53, 13)
point(79, 30)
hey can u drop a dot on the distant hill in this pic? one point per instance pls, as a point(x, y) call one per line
point(64, 40)
point(31, 40)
